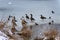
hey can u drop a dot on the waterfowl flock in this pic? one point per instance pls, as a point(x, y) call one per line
point(9, 28)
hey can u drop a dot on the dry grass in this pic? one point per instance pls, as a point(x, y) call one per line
point(51, 33)
point(25, 32)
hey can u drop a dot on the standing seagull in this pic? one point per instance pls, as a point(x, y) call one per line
point(42, 17)
point(27, 17)
point(32, 17)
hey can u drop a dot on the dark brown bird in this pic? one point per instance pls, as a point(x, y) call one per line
point(42, 17)
point(27, 17)
point(15, 19)
point(32, 17)
point(36, 23)
point(52, 21)
point(9, 17)
point(49, 17)
point(24, 22)
point(49, 23)
point(52, 12)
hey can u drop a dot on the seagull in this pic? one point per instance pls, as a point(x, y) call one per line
point(27, 17)
point(42, 17)
point(32, 17)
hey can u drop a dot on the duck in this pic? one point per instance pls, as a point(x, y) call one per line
point(52, 21)
point(15, 19)
point(49, 23)
point(49, 17)
point(23, 21)
point(27, 17)
point(42, 17)
point(9, 17)
point(13, 30)
point(36, 24)
point(52, 12)
point(32, 17)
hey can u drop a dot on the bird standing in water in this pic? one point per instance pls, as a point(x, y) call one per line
point(31, 18)
point(42, 17)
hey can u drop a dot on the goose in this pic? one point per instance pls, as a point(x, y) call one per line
point(42, 17)
point(36, 23)
point(49, 17)
point(52, 21)
point(32, 17)
point(9, 17)
point(52, 12)
point(27, 17)
point(49, 23)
